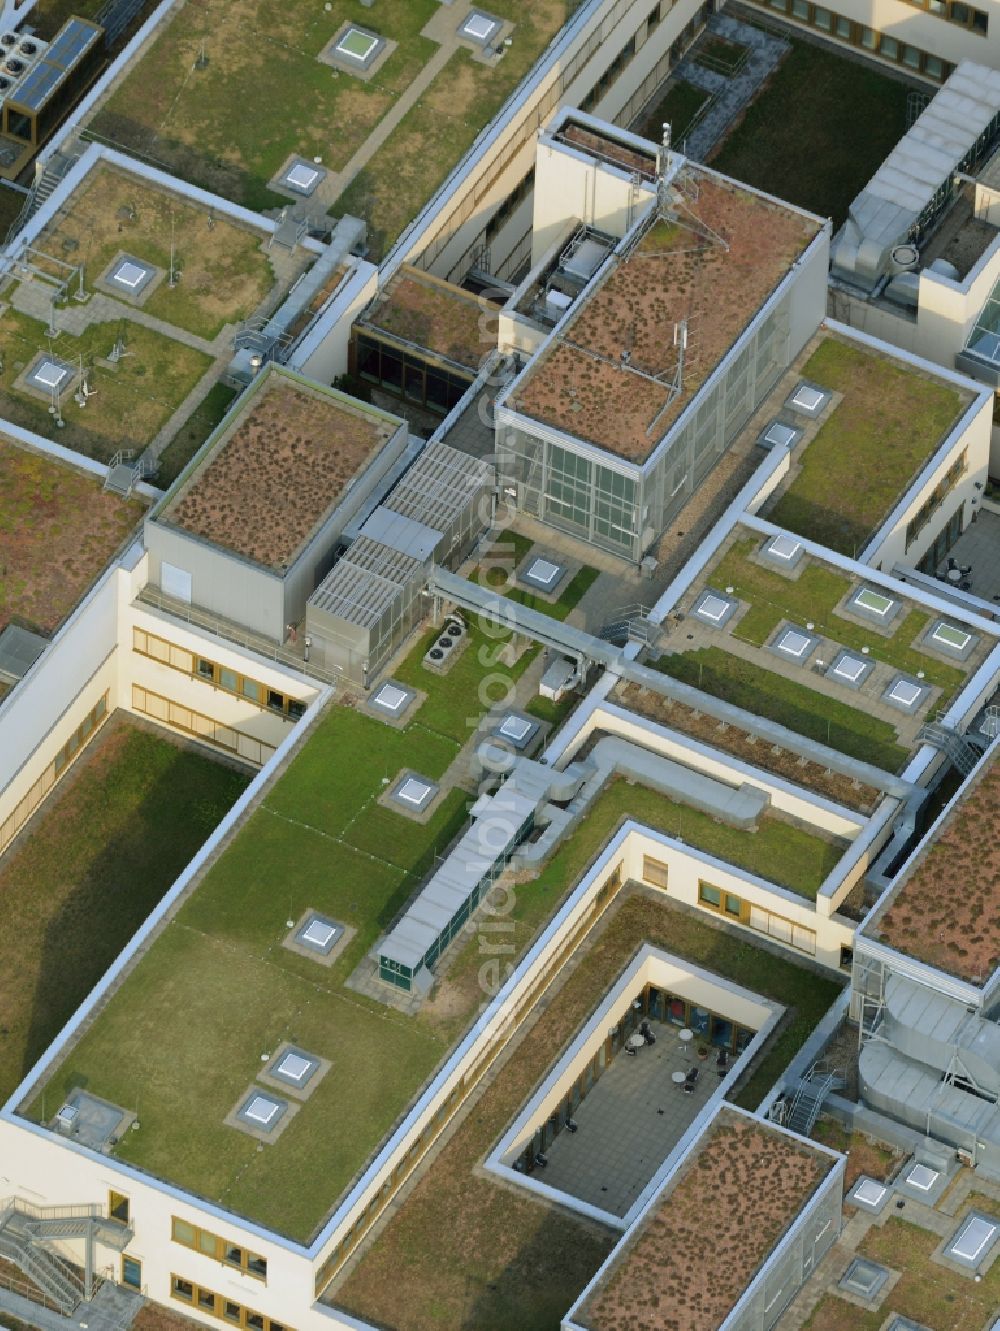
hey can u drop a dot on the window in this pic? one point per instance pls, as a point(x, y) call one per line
point(735, 908)
point(936, 498)
point(182, 1289)
point(222, 677)
point(231, 1254)
point(118, 1207)
point(60, 762)
point(216, 1305)
point(654, 871)
point(131, 1272)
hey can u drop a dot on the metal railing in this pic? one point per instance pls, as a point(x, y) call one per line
point(240, 636)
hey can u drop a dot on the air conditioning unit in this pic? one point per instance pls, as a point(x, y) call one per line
point(452, 636)
point(66, 1118)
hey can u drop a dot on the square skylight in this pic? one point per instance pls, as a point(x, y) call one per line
point(904, 693)
point(779, 435)
point(784, 547)
point(946, 635)
point(391, 699)
point(301, 176)
point(479, 27)
point(849, 669)
point(129, 276)
point(715, 609)
point(294, 1067)
point(318, 934)
point(864, 1279)
point(515, 728)
point(922, 1177)
point(544, 574)
point(794, 644)
point(357, 44)
point(262, 1111)
point(869, 1193)
point(950, 639)
point(974, 1238)
point(874, 604)
point(413, 792)
point(49, 375)
point(782, 551)
point(808, 399)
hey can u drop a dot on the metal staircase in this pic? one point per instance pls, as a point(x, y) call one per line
point(805, 1105)
point(956, 747)
point(631, 623)
point(26, 1231)
point(125, 472)
point(55, 169)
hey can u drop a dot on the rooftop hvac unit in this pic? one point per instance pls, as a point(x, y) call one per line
point(8, 39)
point(556, 304)
point(15, 67)
point(903, 259)
point(66, 1118)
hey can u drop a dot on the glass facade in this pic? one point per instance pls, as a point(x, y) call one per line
point(407, 375)
point(619, 506)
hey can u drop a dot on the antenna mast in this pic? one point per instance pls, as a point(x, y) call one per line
point(664, 160)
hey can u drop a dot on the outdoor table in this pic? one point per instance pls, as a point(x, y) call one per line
point(678, 1078)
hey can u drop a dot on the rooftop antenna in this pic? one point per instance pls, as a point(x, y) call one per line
point(118, 350)
point(681, 343)
point(676, 385)
point(664, 161)
point(174, 274)
point(54, 409)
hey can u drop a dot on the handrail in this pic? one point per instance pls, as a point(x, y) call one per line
point(82, 1211)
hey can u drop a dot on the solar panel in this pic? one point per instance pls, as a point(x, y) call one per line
point(68, 47)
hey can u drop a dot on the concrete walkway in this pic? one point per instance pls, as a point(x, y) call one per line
point(329, 191)
point(33, 299)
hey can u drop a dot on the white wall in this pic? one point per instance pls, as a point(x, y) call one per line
point(928, 32)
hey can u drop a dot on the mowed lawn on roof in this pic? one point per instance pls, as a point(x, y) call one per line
point(796, 706)
point(194, 121)
point(812, 596)
point(58, 531)
point(869, 448)
point(463, 1250)
point(225, 272)
point(217, 989)
point(131, 401)
point(109, 842)
point(927, 1292)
